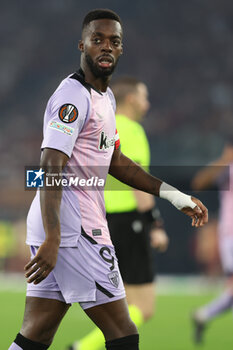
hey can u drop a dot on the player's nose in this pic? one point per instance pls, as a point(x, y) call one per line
point(107, 46)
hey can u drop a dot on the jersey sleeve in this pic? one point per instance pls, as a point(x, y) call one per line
point(65, 115)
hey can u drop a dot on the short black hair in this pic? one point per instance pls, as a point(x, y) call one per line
point(100, 14)
point(124, 86)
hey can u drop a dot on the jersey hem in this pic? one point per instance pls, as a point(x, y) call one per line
point(62, 244)
point(68, 154)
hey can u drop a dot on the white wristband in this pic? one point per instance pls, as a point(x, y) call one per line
point(178, 199)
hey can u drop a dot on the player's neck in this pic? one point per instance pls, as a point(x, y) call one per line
point(100, 83)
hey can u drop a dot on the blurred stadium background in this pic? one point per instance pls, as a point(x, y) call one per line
point(183, 51)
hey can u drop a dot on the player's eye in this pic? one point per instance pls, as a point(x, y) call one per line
point(97, 40)
point(116, 43)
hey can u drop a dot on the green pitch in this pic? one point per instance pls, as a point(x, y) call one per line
point(170, 329)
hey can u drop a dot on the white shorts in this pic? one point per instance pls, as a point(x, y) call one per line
point(87, 274)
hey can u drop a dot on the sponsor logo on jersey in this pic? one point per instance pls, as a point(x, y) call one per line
point(35, 178)
point(105, 142)
point(61, 127)
point(114, 278)
point(68, 113)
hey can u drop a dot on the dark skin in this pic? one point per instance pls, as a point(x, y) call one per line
point(46, 257)
point(102, 38)
point(102, 45)
point(127, 171)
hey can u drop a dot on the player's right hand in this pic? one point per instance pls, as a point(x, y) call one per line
point(43, 262)
point(198, 214)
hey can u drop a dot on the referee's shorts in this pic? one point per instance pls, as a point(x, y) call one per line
point(130, 236)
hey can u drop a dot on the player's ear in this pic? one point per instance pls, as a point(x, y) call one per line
point(81, 45)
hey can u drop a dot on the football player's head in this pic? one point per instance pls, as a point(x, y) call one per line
point(101, 43)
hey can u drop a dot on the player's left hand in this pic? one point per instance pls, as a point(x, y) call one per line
point(159, 239)
point(199, 214)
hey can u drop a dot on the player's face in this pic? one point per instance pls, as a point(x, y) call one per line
point(102, 46)
point(140, 101)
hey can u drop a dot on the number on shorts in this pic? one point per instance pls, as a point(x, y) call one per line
point(110, 259)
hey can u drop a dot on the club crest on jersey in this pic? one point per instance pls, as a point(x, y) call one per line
point(68, 113)
point(114, 278)
point(105, 142)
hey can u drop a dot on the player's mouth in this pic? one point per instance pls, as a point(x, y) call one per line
point(105, 61)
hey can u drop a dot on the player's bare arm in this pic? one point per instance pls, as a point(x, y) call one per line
point(45, 260)
point(130, 173)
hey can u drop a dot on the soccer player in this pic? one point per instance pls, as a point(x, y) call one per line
point(73, 259)
point(134, 222)
point(221, 172)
